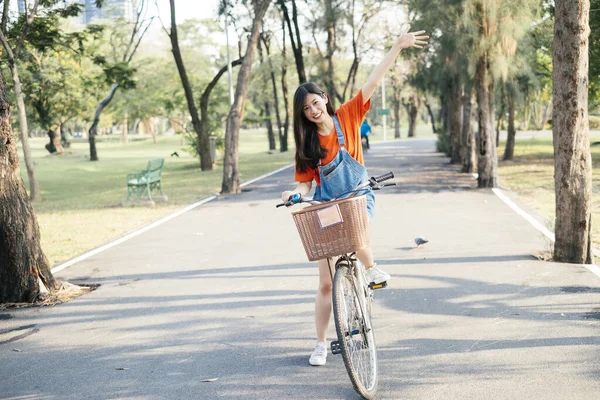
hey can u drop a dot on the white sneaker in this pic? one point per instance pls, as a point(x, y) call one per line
point(375, 275)
point(319, 355)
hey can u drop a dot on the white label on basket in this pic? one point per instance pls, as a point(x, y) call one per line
point(329, 216)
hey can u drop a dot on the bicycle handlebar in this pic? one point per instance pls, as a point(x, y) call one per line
point(372, 184)
point(383, 177)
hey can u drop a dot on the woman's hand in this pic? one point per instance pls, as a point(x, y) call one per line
point(285, 196)
point(411, 39)
point(303, 188)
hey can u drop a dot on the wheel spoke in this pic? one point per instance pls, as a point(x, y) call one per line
point(356, 338)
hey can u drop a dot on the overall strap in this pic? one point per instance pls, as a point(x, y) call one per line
point(340, 135)
point(338, 130)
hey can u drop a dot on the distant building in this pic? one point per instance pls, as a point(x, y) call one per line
point(110, 9)
point(21, 6)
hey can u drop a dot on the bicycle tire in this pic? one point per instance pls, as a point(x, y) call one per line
point(357, 342)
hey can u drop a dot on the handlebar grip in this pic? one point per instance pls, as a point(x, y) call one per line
point(384, 177)
point(295, 198)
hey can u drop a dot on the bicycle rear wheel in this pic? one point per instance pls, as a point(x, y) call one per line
point(355, 335)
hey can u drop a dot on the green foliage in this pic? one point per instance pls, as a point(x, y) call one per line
point(119, 72)
point(52, 86)
point(497, 28)
point(442, 143)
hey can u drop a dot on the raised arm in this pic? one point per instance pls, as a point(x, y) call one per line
point(406, 39)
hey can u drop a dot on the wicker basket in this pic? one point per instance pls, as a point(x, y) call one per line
point(325, 235)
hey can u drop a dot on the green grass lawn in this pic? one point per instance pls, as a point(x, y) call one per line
point(81, 205)
point(531, 176)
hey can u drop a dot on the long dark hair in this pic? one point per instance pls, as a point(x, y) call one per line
point(308, 148)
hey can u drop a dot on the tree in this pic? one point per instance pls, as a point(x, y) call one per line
point(370, 8)
point(594, 46)
point(13, 53)
point(511, 131)
point(231, 175)
point(332, 14)
point(200, 122)
point(468, 134)
point(22, 261)
point(295, 37)
point(412, 110)
point(570, 132)
point(55, 86)
point(496, 28)
point(444, 68)
point(118, 71)
point(283, 139)
point(266, 95)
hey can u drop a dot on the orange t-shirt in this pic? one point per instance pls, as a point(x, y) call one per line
point(350, 115)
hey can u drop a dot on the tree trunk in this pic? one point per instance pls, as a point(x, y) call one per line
point(283, 139)
point(267, 106)
point(396, 111)
point(412, 120)
point(94, 128)
point(57, 140)
point(269, 124)
point(501, 113)
point(204, 129)
point(34, 189)
point(509, 150)
point(468, 134)
point(22, 261)
point(275, 92)
point(152, 127)
point(570, 132)
point(125, 131)
point(431, 117)
point(455, 120)
point(295, 40)
point(65, 143)
point(443, 114)
point(411, 111)
point(330, 21)
point(487, 160)
point(231, 174)
point(206, 161)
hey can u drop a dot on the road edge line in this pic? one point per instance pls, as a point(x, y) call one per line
point(545, 231)
point(154, 224)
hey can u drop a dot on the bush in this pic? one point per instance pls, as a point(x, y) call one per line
point(594, 122)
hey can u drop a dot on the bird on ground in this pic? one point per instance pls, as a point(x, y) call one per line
point(420, 241)
point(174, 154)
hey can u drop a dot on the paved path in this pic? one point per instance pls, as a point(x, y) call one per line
point(224, 291)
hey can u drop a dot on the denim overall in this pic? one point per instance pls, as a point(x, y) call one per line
point(343, 174)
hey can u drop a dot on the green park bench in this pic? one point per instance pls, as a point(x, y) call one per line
point(144, 182)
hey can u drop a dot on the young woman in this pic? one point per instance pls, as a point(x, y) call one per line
point(329, 151)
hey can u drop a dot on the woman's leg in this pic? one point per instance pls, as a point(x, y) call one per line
point(366, 257)
point(374, 274)
point(323, 301)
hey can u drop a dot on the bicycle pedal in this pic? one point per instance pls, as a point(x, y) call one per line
point(374, 286)
point(336, 348)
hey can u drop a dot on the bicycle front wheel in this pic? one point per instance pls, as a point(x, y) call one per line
point(354, 331)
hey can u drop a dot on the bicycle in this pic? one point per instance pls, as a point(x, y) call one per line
point(337, 229)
